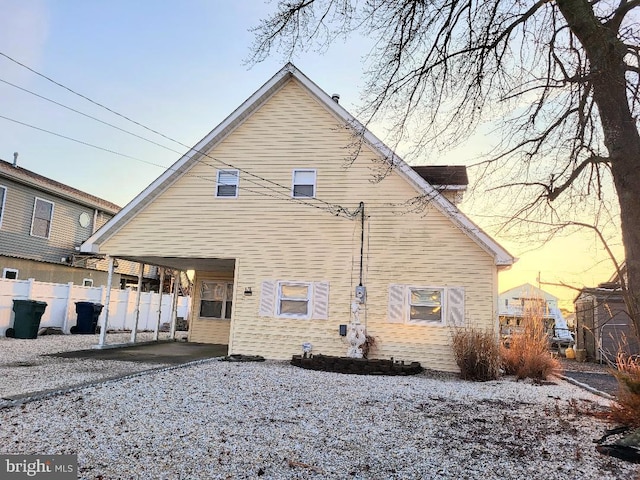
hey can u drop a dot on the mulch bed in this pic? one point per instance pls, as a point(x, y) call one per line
point(357, 366)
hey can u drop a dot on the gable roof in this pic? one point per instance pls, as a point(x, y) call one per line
point(255, 101)
point(34, 180)
point(526, 290)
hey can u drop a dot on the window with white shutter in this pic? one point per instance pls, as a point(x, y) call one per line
point(227, 183)
point(293, 299)
point(418, 305)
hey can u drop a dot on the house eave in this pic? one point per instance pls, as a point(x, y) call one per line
point(254, 102)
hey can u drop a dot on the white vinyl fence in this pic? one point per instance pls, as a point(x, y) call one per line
point(61, 307)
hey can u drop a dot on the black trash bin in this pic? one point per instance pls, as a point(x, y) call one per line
point(88, 314)
point(26, 322)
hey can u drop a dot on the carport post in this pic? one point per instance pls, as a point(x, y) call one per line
point(174, 305)
point(134, 330)
point(107, 298)
point(156, 333)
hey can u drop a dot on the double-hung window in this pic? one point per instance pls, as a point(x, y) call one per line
point(425, 305)
point(294, 300)
point(3, 196)
point(304, 183)
point(227, 183)
point(42, 217)
point(216, 299)
point(298, 300)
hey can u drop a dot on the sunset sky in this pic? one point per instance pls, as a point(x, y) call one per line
point(179, 68)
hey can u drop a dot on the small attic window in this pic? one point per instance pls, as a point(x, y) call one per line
point(304, 183)
point(227, 183)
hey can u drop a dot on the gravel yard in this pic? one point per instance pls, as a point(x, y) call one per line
point(25, 367)
point(221, 420)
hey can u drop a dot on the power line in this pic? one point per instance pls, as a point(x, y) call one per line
point(88, 116)
point(332, 208)
point(114, 152)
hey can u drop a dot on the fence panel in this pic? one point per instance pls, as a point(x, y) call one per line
point(61, 304)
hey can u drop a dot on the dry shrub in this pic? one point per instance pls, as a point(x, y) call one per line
point(477, 355)
point(528, 355)
point(626, 409)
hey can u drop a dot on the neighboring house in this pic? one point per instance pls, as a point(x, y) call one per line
point(527, 300)
point(42, 225)
point(603, 326)
point(277, 213)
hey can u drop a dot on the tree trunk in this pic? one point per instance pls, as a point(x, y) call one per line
point(606, 53)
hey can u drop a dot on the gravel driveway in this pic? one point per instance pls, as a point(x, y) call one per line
point(220, 420)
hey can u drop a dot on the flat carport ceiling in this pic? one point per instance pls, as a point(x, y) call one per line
point(185, 263)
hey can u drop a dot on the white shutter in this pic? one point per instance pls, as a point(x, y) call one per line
point(267, 299)
point(455, 306)
point(320, 300)
point(396, 304)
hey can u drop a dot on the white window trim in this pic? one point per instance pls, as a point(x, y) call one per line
point(443, 306)
point(237, 184)
point(87, 280)
point(293, 179)
point(309, 286)
point(13, 270)
point(226, 300)
point(33, 216)
point(4, 200)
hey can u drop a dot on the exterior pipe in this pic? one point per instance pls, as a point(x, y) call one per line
point(107, 298)
point(156, 332)
point(134, 330)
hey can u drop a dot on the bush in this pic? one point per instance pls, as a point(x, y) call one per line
point(477, 354)
point(626, 409)
point(528, 355)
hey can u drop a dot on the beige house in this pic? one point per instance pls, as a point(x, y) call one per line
point(277, 212)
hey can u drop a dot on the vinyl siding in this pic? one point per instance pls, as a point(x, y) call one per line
point(281, 239)
point(15, 232)
point(65, 234)
point(208, 330)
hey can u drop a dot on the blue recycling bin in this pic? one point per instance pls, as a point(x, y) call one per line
point(88, 314)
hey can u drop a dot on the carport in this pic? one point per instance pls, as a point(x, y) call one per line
point(175, 264)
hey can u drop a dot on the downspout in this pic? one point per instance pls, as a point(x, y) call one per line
point(361, 239)
point(95, 221)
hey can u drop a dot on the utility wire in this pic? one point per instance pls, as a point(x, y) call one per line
point(114, 152)
point(332, 208)
point(112, 126)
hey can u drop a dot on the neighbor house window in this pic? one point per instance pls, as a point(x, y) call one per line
point(294, 300)
point(304, 183)
point(227, 183)
point(10, 273)
point(425, 305)
point(216, 299)
point(87, 282)
point(3, 197)
point(42, 216)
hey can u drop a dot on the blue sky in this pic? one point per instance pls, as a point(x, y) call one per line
point(178, 68)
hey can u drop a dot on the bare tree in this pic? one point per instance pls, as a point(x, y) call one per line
point(562, 75)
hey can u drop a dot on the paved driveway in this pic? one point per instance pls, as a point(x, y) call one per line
point(601, 381)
